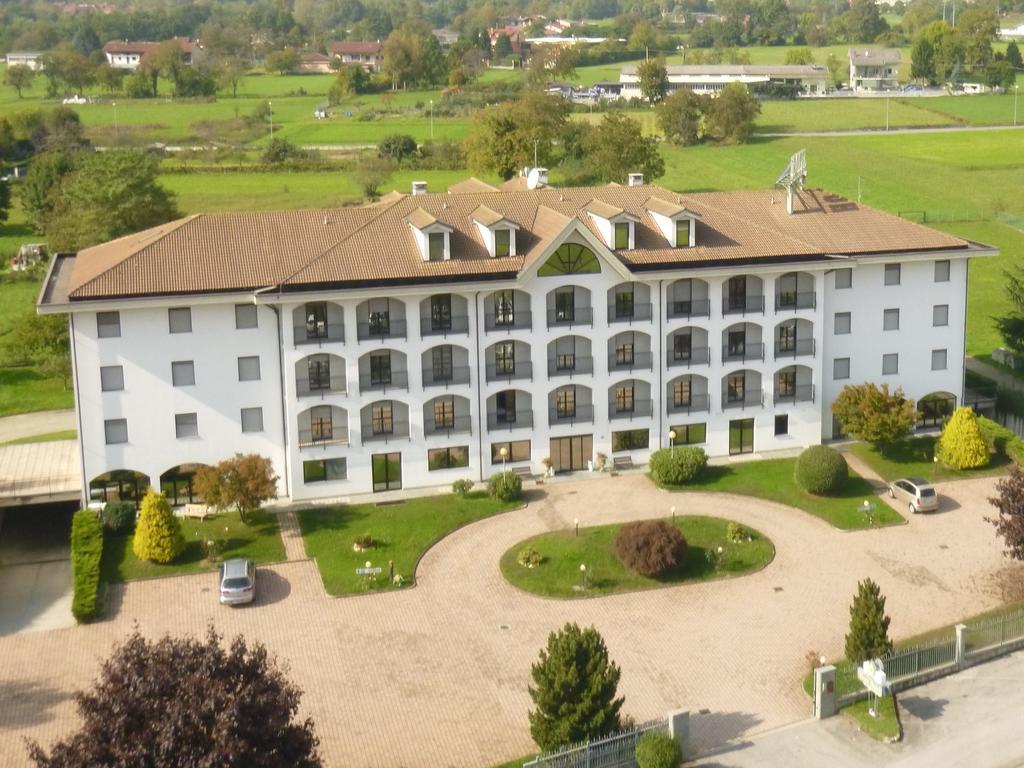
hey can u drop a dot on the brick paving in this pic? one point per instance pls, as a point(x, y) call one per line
point(437, 675)
point(294, 548)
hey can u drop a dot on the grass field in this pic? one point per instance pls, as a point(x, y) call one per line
point(772, 479)
point(68, 434)
point(914, 458)
point(710, 555)
point(884, 727)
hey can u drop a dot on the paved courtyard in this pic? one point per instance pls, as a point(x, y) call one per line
point(437, 675)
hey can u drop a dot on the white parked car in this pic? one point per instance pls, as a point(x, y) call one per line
point(75, 100)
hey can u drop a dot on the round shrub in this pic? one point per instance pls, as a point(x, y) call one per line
point(677, 466)
point(505, 486)
point(821, 470)
point(658, 750)
point(529, 557)
point(961, 445)
point(462, 487)
point(650, 547)
point(119, 516)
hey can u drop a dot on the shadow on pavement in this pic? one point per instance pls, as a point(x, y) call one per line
point(34, 703)
point(271, 587)
point(714, 729)
point(922, 707)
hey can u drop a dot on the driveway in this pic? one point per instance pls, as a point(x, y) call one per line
point(437, 675)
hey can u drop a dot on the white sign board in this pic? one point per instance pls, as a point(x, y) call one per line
point(872, 675)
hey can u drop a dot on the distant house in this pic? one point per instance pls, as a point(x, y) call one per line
point(31, 59)
point(365, 54)
point(313, 61)
point(516, 36)
point(811, 79)
point(874, 69)
point(124, 54)
point(446, 38)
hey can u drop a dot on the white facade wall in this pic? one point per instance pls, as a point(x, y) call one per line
point(149, 402)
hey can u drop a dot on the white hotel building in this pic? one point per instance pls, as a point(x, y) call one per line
point(405, 343)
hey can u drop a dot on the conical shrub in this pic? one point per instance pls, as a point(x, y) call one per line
point(158, 536)
point(961, 445)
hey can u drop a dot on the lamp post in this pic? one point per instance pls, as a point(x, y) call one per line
point(431, 118)
point(1016, 93)
point(887, 113)
point(270, 107)
point(672, 440)
point(117, 133)
point(576, 525)
point(504, 455)
point(583, 576)
point(673, 515)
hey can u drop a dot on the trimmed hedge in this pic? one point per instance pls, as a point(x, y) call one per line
point(1001, 441)
point(658, 750)
point(505, 486)
point(650, 547)
point(677, 466)
point(821, 470)
point(119, 516)
point(86, 552)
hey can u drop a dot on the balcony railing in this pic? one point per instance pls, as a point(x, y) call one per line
point(522, 369)
point(752, 398)
point(579, 316)
point(456, 324)
point(399, 430)
point(583, 414)
point(640, 311)
point(321, 335)
point(640, 361)
point(689, 308)
point(748, 305)
point(523, 420)
point(697, 356)
point(333, 385)
point(522, 319)
point(802, 393)
point(742, 355)
point(576, 364)
point(397, 380)
point(795, 300)
point(394, 328)
point(698, 404)
point(436, 377)
point(461, 423)
point(334, 435)
point(642, 409)
point(799, 348)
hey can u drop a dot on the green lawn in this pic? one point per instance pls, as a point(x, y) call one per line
point(914, 458)
point(25, 389)
point(773, 480)
point(49, 437)
point(885, 727)
point(710, 555)
point(402, 532)
point(260, 539)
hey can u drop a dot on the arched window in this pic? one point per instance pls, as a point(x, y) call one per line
point(570, 259)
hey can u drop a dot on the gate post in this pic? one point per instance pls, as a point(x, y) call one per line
point(961, 646)
point(679, 728)
point(824, 691)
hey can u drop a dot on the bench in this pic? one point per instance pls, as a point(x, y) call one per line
point(195, 510)
point(621, 462)
point(524, 473)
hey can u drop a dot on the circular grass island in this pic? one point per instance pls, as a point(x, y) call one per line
point(711, 554)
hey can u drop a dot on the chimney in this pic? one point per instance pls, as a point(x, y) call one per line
point(636, 179)
point(419, 187)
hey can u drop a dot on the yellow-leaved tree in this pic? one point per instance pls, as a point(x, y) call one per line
point(158, 536)
point(961, 445)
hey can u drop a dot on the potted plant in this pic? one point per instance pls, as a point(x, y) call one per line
point(601, 462)
point(362, 543)
point(548, 469)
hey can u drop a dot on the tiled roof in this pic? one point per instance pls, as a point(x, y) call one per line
point(356, 48)
point(374, 244)
point(874, 57)
point(664, 207)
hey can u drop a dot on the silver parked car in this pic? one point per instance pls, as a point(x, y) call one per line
point(237, 581)
point(919, 495)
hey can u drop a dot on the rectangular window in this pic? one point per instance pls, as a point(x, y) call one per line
point(504, 308)
point(115, 431)
point(316, 320)
point(249, 368)
point(321, 423)
point(785, 383)
point(737, 287)
point(379, 323)
point(688, 434)
point(892, 274)
point(319, 370)
point(940, 315)
point(842, 323)
point(631, 440)
point(942, 271)
point(246, 316)
point(323, 470)
point(505, 406)
point(441, 312)
point(186, 425)
point(380, 368)
point(444, 413)
point(517, 450)
point(682, 233)
point(624, 303)
point(502, 242)
point(252, 419)
point(382, 419)
point(787, 337)
point(108, 325)
point(737, 343)
point(736, 387)
point(441, 360)
point(183, 373)
point(436, 252)
point(111, 378)
point(890, 364)
point(624, 352)
point(621, 236)
point(890, 320)
point(505, 357)
point(682, 393)
point(938, 359)
point(179, 319)
point(447, 458)
point(781, 424)
point(565, 305)
point(565, 403)
point(682, 346)
point(624, 399)
point(841, 368)
point(844, 278)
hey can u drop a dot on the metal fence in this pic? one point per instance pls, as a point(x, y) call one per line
point(987, 634)
point(615, 751)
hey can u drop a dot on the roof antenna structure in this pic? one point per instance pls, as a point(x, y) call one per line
point(793, 177)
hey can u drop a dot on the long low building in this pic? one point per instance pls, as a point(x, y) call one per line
point(810, 79)
point(436, 336)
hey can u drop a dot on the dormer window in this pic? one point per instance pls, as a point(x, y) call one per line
point(497, 232)
point(622, 235)
point(433, 238)
point(502, 242)
point(617, 227)
point(436, 249)
point(683, 233)
point(674, 221)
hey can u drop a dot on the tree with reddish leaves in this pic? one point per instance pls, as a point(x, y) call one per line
point(1010, 503)
point(245, 482)
point(179, 702)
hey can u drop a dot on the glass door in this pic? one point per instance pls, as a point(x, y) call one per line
point(387, 471)
point(741, 436)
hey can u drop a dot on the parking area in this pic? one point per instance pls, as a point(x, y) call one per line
point(438, 674)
